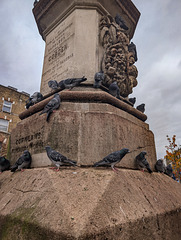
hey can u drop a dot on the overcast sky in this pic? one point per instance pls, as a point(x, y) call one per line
point(158, 41)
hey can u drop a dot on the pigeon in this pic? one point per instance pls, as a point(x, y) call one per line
point(159, 166)
point(114, 90)
point(35, 98)
point(99, 77)
point(132, 48)
point(53, 84)
point(132, 100)
point(141, 108)
point(112, 159)
point(58, 159)
point(169, 170)
point(24, 161)
point(121, 22)
point(71, 82)
point(142, 162)
point(4, 164)
point(53, 104)
point(35, 2)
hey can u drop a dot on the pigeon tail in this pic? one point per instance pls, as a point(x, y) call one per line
point(149, 170)
point(13, 168)
point(48, 115)
point(74, 163)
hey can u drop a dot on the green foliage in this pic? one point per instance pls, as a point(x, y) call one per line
point(173, 155)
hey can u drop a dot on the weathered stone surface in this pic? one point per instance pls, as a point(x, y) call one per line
point(89, 203)
point(85, 132)
point(71, 31)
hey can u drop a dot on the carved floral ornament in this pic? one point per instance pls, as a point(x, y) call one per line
point(119, 55)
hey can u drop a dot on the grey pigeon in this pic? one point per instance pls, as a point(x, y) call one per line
point(169, 170)
point(132, 100)
point(53, 84)
point(35, 98)
point(58, 159)
point(141, 108)
point(53, 104)
point(114, 90)
point(142, 162)
point(35, 2)
point(112, 159)
point(121, 22)
point(159, 166)
point(71, 82)
point(98, 78)
point(4, 164)
point(24, 161)
point(132, 48)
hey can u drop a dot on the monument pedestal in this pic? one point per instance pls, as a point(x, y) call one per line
point(84, 131)
point(86, 203)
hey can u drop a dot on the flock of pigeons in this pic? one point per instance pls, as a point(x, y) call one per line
point(70, 83)
point(24, 161)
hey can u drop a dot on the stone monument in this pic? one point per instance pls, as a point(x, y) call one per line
point(84, 37)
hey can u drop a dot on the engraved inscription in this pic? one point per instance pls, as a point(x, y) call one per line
point(58, 53)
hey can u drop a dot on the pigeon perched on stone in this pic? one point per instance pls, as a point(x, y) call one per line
point(53, 104)
point(112, 159)
point(142, 162)
point(24, 161)
point(53, 84)
point(4, 164)
point(35, 98)
point(35, 2)
point(141, 108)
point(71, 82)
point(132, 48)
point(58, 159)
point(114, 90)
point(169, 170)
point(98, 78)
point(121, 22)
point(132, 100)
point(159, 166)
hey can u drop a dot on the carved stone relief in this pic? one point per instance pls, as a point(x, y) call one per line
point(119, 56)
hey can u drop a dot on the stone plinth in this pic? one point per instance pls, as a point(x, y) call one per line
point(83, 204)
point(85, 132)
point(71, 32)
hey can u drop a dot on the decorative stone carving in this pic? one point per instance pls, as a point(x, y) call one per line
point(119, 56)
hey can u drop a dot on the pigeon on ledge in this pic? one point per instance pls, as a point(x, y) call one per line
point(58, 159)
point(141, 108)
point(71, 82)
point(53, 84)
point(114, 90)
point(4, 164)
point(159, 166)
point(53, 104)
point(169, 170)
point(112, 159)
point(142, 162)
point(132, 100)
point(24, 161)
point(99, 77)
point(35, 98)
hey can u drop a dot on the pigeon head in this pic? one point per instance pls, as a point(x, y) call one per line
point(56, 95)
point(160, 162)
point(142, 154)
point(125, 150)
point(99, 76)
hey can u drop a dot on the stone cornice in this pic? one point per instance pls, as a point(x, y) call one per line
point(44, 7)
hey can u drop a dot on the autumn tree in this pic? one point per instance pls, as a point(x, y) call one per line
point(173, 155)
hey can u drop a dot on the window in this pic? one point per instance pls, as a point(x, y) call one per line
point(7, 106)
point(4, 125)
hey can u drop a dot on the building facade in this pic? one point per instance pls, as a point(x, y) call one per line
point(12, 103)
